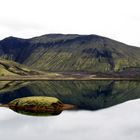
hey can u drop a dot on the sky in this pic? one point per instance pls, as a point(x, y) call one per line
point(116, 19)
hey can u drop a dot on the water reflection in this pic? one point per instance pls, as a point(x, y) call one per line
point(120, 122)
point(88, 95)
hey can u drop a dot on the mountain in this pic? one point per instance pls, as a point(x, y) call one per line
point(72, 53)
point(10, 68)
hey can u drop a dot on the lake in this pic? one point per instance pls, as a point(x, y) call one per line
point(103, 110)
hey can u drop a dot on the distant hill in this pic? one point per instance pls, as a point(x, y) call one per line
point(71, 53)
point(10, 68)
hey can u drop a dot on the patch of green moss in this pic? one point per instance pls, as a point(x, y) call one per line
point(38, 106)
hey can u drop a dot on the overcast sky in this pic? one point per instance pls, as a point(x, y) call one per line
point(117, 19)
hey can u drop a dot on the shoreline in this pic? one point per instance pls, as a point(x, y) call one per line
point(35, 78)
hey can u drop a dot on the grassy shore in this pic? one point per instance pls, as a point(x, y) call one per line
point(63, 78)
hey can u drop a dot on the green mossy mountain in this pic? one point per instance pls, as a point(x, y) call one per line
point(72, 53)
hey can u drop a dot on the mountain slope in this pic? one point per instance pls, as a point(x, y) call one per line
point(10, 68)
point(68, 53)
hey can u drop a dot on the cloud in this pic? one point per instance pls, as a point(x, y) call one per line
point(19, 25)
point(28, 18)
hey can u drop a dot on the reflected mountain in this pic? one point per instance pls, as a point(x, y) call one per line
point(8, 86)
point(88, 95)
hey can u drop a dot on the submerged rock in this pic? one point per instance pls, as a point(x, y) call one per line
point(37, 106)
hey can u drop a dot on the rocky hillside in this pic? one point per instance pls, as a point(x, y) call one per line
point(68, 53)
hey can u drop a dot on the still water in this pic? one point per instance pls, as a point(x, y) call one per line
point(103, 110)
